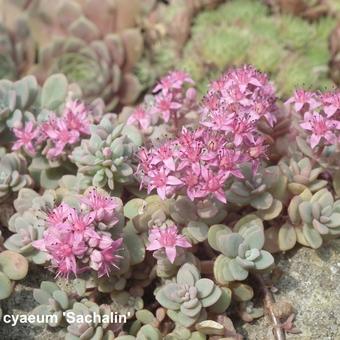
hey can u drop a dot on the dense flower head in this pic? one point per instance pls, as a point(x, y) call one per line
point(59, 135)
point(74, 243)
point(167, 238)
point(241, 94)
point(174, 96)
point(55, 135)
point(199, 163)
point(321, 116)
point(102, 208)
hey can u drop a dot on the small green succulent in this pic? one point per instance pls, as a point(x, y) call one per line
point(88, 327)
point(314, 217)
point(13, 175)
point(115, 282)
point(157, 60)
point(241, 249)
point(166, 269)
point(16, 98)
point(28, 223)
point(292, 49)
point(24, 100)
point(301, 175)
point(52, 301)
point(96, 48)
point(187, 297)
point(196, 231)
point(126, 303)
point(261, 191)
point(146, 213)
point(107, 156)
point(13, 267)
point(17, 50)
point(94, 67)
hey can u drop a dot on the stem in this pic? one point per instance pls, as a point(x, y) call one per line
point(268, 301)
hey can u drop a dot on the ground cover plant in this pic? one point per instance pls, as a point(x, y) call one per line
point(158, 194)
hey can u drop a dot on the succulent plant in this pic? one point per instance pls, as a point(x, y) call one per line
point(114, 30)
point(170, 16)
point(16, 98)
point(28, 223)
point(95, 68)
point(146, 213)
point(71, 185)
point(17, 51)
point(241, 32)
point(90, 327)
point(65, 17)
point(262, 191)
point(52, 301)
point(13, 267)
point(168, 262)
point(241, 249)
point(301, 175)
point(115, 282)
point(107, 155)
point(24, 101)
point(126, 303)
point(314, 216)
point(187, 297)
point(157, 60)
point(96, 50)
point(13, 175)
point(163, 41)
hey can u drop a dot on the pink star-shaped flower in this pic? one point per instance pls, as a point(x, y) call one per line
point(168, 239)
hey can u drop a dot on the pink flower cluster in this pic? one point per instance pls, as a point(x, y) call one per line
point(167, 238)
point(57, 133)
point(72, 240)
point(321, 115)
point(237, 101)
point(199, 163)
point(174, 97)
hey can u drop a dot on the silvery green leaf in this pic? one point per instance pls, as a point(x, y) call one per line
point(264, 261)
point(262, 201)
point(238, 272)
point(312, 236)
